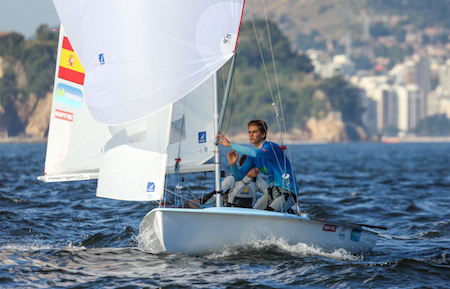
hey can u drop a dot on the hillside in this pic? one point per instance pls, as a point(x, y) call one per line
point(334, 19)
point(26, 81)
point(295, 17)
point(26, 85)
point(315, 108)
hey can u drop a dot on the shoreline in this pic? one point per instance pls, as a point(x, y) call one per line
point(23, 139)
point(415, 139)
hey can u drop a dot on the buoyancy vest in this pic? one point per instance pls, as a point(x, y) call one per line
point(242, 195)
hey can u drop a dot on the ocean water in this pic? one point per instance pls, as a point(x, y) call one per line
point(61, 236)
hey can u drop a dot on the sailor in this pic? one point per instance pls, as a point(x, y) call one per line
point(269, 158)
point(241, 193)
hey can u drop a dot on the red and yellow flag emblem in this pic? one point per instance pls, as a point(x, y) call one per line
point(69, 66)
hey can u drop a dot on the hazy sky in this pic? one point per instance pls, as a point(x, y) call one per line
point(25, 16)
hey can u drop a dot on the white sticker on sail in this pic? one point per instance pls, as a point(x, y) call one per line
point(217, 32)
point(228, 44)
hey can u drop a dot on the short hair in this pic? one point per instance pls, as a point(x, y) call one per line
point(261, 124)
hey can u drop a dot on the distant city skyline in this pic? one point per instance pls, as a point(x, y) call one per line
point(25, 16)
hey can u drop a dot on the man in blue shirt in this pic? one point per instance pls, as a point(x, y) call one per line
point(269, 158)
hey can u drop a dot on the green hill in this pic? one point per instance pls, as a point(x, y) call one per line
point(255, 97)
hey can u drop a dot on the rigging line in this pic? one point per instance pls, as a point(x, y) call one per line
point(270, 88)
point(278, 90)
point(262, 56)
point(182, 126)
point(268, 82)
point(202, 179)
point(183, 198)
point(177, 162)
point(276, 81)
point(278, 87)
point(274, 67)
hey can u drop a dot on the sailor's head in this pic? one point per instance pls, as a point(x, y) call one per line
point(257, 131)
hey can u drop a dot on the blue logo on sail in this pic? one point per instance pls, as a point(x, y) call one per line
point(202, 137)
point(150, 187)
point(69, 95)
point(101, 58)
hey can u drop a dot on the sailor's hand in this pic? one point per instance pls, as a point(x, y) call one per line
point(253, 173)
point(232, 157)
point(223, 140)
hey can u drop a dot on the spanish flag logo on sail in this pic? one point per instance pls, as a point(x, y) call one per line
point(69, 66)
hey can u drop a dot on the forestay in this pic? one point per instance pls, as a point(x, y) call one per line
point(142, 55)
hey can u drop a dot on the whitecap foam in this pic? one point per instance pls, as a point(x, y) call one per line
point(300, 248)
point(35, 246)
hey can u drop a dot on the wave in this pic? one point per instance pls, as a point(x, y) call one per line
point(266, 249)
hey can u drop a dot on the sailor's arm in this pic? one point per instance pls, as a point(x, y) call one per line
point(265, 152)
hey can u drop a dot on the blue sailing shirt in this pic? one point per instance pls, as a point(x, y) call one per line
point(270, 161)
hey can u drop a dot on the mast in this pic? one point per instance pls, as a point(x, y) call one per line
point(216, 144)
point(227, 91)
point(220, 123)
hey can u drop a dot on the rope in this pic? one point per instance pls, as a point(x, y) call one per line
point(268, 80)
point(284, 166)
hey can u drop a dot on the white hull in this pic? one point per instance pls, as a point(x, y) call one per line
point(202, 232)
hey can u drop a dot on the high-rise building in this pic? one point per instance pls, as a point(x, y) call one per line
point(423, 81)
point(410, 72)
point(387, 107)
point(369, 116)
point(444, 79)
point(409, 107)
point(433, 99)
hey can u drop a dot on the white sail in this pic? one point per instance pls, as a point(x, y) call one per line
point(192, 131)
point(133, 165)
point(142, 55)
point(145, 92)
point(75, 141)
point(130, 159)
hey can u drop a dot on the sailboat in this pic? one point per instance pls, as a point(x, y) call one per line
point(136, 98)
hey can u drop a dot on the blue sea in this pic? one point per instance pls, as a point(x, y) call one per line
point(60, 235)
